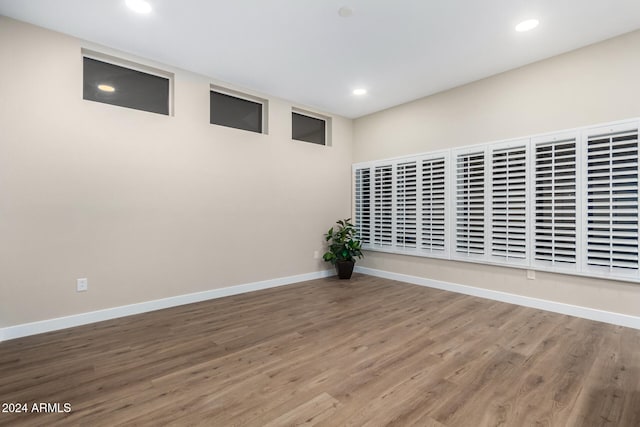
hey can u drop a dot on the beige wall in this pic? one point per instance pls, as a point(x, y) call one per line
point(148, 206)
point(595, 84)
point(145, 206)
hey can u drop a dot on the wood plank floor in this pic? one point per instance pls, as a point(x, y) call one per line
point(368, 352)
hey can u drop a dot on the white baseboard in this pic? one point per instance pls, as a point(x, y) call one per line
point(39, 327)
point(556, 307)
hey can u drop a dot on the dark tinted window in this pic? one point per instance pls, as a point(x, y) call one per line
point(233, 112)
point(116, 85)
point(308, 129)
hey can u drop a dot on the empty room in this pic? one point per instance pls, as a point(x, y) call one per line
point(331, 213)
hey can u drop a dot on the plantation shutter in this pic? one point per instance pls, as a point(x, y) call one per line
point(406, 204)
point(383, 205)
point(508, 206)
point(470, 195)
point(612, 200)
point(363, 205)
point(555, 195)
point(432, 212)
point(565, 202)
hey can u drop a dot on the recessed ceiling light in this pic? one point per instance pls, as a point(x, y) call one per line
point(345, 11)
point(527, 25)
point(140, 6)
point(106, 88)
point(359, 91)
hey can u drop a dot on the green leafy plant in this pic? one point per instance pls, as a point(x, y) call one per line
point(344, 244)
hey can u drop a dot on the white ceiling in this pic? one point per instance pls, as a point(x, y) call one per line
point(302, 50)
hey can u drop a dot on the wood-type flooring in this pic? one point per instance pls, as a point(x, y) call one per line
point(365, 352)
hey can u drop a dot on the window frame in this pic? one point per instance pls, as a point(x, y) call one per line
point(246, 97)
point(135, 66)
point(327, 125)
point(612, 272)
point(392, 166)
point(455, 155)
point(580, 267)
point(507, 147)
point(363, 202)
point(553, 140)
point(447, 203)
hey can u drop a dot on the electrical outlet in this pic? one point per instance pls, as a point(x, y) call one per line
point(531, 274)
point(82, 285)
point(316, 254)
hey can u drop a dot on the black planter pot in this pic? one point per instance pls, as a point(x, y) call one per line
point(345, 269)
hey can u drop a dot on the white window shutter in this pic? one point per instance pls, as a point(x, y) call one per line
point(555, 193)
point(406, 204)
point(565, 202)
point(509, 203)
point(470, 204)
point(363, 204)
point(611, 183)
point(433, 206)
point(383, 206)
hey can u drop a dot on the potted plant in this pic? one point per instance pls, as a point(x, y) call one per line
point(344, 247)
